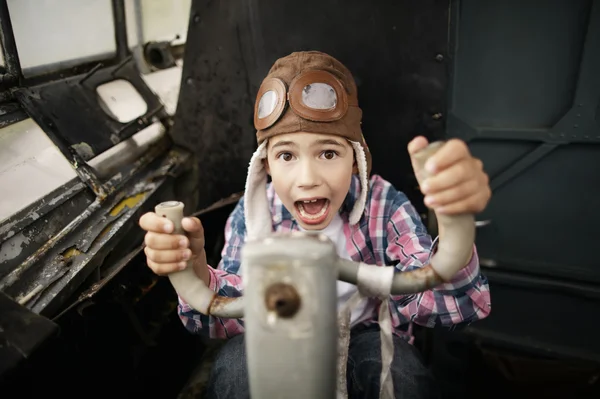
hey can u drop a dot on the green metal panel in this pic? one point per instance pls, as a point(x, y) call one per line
point(525, 92)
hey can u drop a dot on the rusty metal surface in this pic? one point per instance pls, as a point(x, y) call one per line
point(26, 241)
point(14, 224)
point(424, 277)
point(283, 299)
point(219, 303)
point(110, 188)
point(49, 276)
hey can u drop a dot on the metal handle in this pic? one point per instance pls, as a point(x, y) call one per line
point(188, 285)
point(453, 253)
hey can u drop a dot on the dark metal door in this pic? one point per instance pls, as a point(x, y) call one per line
point(525, 93)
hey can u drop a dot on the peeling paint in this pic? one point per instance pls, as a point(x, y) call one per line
point(13, 248)
point(65, 195)
point(129, 202)
point(84, 150)
point(70, 253)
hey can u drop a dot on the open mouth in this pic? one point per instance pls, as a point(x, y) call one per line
point(312, 211)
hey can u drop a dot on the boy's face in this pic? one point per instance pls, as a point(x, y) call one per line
point(311, 173)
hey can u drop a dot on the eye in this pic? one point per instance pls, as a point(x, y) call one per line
point(329, 154)
point(285, 156)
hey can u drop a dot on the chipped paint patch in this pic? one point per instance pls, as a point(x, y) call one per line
point(129, 202)
point(13, 248)
point(70, 253)
point(84, 150)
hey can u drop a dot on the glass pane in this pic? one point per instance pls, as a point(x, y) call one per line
point(164, 20)
point(28, 155)
point(51, 33)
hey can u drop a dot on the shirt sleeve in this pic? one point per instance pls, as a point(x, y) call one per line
point(224, 280)
point(459, 302)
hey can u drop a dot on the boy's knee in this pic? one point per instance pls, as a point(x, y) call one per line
point(231, 358)
point(412, 379)
point(229, 375)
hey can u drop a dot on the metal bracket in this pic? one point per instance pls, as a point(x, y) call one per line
point(67, 110)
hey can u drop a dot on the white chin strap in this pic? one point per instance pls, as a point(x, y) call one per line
point(256, 206)
point(361, 201)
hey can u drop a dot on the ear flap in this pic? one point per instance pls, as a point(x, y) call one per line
point(256, 205)
point(361, 165)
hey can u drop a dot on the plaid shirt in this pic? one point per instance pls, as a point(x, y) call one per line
point(390, 233)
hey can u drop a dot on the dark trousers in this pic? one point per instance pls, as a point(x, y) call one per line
point(412, 380)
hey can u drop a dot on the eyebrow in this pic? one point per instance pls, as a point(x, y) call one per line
point(327, 142)
point(284, 143)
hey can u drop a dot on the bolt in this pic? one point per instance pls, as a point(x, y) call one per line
point(439, 58)
point(189, 81)
point(196, 18)
point(437, 116)
point(282, 299)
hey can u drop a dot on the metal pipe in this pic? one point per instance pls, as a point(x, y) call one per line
point(453, 252)
point(9, 47)
point(189, 286)
point(290, 316)
point(120, 21)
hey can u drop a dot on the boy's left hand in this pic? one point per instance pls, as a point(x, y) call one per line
point(458, 184)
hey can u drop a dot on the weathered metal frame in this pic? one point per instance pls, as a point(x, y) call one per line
point(42, 270)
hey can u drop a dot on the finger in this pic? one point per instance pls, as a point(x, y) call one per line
point(473, 204)
point(167, 255)
point(193, 226)
point(447, 178)
point(150, 221)
point(195, 232)
point(450, 153)
point(453, 194)
point(163, 269)
point(417, 144)
point(165, 241)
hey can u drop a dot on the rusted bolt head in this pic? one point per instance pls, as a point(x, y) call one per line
point(282, 299)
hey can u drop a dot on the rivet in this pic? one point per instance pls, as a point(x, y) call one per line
point(437, 116)
point(439, 58)
point(196, 18)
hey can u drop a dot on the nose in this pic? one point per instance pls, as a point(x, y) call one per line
point(308, 175)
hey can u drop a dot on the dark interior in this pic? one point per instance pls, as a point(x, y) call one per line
point(518, 81)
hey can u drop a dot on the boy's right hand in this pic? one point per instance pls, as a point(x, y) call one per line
point(167, 253)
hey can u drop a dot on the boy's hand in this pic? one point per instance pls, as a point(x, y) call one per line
point(458, 184)
point(166, 252)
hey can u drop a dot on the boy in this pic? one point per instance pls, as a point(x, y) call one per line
point(310, 143)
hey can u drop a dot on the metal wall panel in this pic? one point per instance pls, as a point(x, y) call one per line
point(525, 90)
